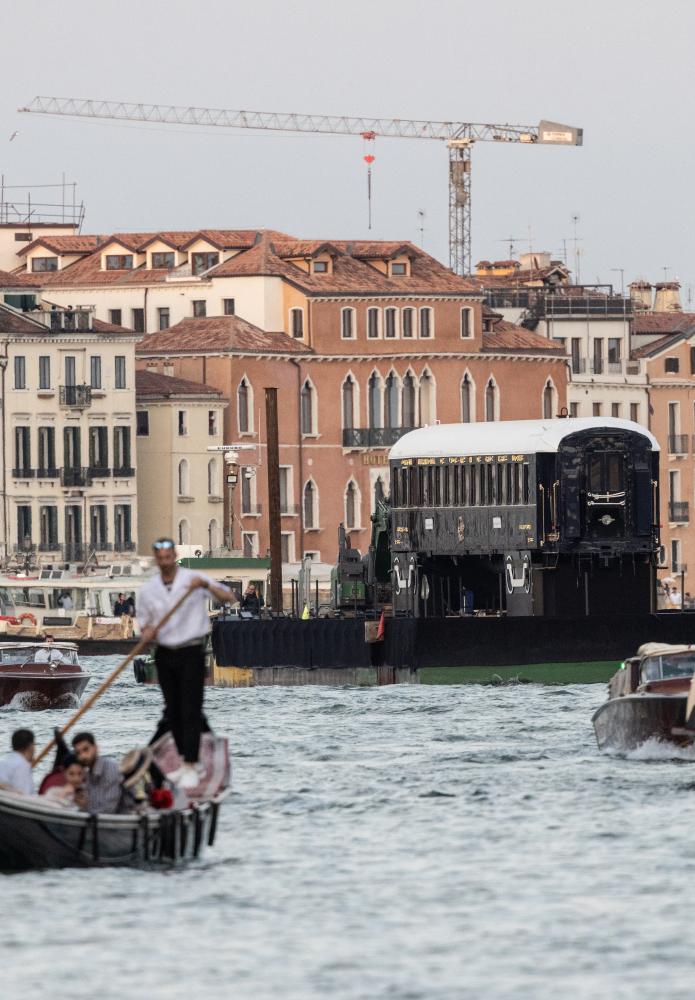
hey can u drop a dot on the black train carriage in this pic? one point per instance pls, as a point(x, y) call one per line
point(531, 517)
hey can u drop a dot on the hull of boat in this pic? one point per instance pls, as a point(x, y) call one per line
point(34, 835)
point(628, 722)
point(35, 692)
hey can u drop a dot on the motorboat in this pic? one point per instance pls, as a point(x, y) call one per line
point(39, 675)
point(647, 699)
point(35, 833)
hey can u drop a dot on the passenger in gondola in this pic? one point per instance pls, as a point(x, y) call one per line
point(15, 767)
point(105, 793)
point(71, 794)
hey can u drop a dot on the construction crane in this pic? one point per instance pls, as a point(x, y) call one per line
point(459, 137)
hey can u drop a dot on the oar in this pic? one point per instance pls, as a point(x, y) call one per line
point(108, 682)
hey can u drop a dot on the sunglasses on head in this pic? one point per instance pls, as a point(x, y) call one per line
point(163, 543)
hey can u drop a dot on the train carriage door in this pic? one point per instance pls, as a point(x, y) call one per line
point(605, 494)
point(643, 515)
point(569, 473)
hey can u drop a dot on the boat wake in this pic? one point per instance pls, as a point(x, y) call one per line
point(656, 750)
point(32, 701)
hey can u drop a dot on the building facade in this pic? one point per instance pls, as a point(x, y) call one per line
point(68, 464)
point(180, 482)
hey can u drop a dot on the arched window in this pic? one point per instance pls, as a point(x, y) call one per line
point(244, 407)
point(548, 400)
point(491, 400)
point(466, 399)
point(213, 487)
point(426, 399)
point(348, 403)
point(391, 401)
point(213, 535)
point(183, 532)
point(309, 505)
point(183, 478)
point(307, 407)
point(375, 412)
point(352, 503)
point(408, 401)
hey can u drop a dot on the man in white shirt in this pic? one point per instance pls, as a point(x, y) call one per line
point(49, 653)
point(15, 767)
point(180, 652)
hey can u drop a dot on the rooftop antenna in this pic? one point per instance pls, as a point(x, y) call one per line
point(511, 242)
point(666, 268)
point(421, 225)
point(576, 218)
point(621, 272)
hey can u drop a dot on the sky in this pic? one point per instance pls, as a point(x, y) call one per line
point(620, 69)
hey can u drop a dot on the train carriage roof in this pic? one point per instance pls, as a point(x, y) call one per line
point(517, 437)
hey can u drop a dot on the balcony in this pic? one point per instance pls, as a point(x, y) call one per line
point(48, 473)
point(678, 511)
point(67, 320)
point(678, 444)
point(50, 546)
point(373, 437)
point(597, 366)
point(75, 477)
point(583, 305)
point(98, 471)
point(23, 473)
point(75, 552)
point(614, 368)
point(79, 396)
point(123, 545)
point(123, 472)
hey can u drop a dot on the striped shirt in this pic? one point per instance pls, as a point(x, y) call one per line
point(103, 785)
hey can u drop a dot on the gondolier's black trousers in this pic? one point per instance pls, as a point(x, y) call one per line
point(181, 675)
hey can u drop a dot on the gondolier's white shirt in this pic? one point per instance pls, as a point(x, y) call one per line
point(190, 621)
point(15, 770)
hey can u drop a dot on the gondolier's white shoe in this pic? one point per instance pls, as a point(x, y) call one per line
point(190, 777)
point(174, 776)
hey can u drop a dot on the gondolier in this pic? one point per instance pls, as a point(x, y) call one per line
point(180, 650)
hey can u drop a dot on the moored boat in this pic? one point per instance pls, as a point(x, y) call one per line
point(647, 699)
point(41, 675)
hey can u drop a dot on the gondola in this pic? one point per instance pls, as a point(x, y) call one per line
point(34, 685)
point(37, 834)
point(647, 699)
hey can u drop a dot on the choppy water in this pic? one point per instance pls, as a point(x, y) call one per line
point(409, 843)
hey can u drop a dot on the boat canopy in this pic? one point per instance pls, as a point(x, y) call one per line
point(517, 437)
point(662, 649)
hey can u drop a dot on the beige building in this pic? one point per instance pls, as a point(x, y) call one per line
point(67, 464)
point(180, 483)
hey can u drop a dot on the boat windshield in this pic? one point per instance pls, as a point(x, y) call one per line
point(656, 668)
point(27, 654)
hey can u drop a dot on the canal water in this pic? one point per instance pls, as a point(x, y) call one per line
point(409, 843)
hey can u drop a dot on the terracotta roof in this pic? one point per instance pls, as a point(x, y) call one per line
point(149, 383)
point(663, 322)
point(218, 334)
point(508, 337)
point(63, 244)
point(656, 346)
point(14, 280)
point(12, 321)
point(520, 277)
point(102, 327)
point(350, 274)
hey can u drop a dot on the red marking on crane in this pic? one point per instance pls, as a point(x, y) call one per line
point(369, 159)
point(369, 135)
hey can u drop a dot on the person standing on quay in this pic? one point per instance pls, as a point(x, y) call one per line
point(180, 652)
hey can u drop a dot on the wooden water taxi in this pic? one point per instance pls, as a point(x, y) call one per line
point(40, 675)
point(647, 699)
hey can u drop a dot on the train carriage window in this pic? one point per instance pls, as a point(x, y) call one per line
point(490, 483)
point(453, 485)
point(508, 485)
point(517, 484)
point(437, 476)
point(421, 498)
point(499, 495)
point(482, 495)
point(527, 484)
point(472, 483)
point(605, 472)
point(395, 487)
point(614, 472)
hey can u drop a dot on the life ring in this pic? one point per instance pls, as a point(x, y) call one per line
point(26, 616)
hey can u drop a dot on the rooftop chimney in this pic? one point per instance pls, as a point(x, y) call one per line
point(641, 293)
point(667, 297)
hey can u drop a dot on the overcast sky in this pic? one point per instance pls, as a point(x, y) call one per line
point(621, 69)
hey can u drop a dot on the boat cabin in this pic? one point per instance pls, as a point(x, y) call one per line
point(21, 653)
point(655, 661)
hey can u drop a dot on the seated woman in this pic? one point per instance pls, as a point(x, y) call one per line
point(70, 795)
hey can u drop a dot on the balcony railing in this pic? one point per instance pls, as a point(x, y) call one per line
point(75, 477)
point(76, 395)
point(678, 444)
point(583, 305)
point(252, 510)
point(99, 471)
point(614, 367)
point(123, 472)
point(50, 472)
point(67, 320)
point(597, 366)
point(678, 511)
point(123, 545)
point(23, 473)
point(50, 546)
point(75, 551)
point(373, 437)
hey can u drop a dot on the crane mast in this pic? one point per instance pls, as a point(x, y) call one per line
point(459, 137)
